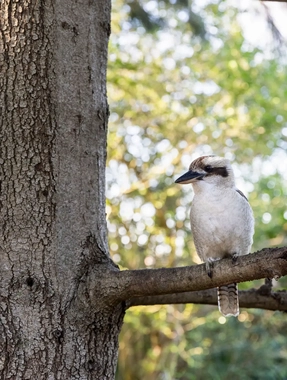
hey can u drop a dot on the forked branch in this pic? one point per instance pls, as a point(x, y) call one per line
point(175, 282)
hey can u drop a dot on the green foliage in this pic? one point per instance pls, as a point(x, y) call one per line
point(154, 15)
point(172, 99)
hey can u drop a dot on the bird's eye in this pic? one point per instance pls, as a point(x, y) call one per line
point(208, 168)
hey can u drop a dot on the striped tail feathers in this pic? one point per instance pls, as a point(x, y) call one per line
point(228, 303)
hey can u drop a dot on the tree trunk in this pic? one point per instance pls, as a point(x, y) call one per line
point(62, 300)
point(53, 149)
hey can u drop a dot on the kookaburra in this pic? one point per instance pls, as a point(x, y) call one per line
point(221, 219)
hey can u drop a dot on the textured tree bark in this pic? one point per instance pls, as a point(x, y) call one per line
point(52, 207)
point(62, 300)
point(252, 298)
point(267, 263)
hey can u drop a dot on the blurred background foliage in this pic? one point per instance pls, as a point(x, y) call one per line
point(183, 81)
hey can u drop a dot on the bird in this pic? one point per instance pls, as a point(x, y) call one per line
point(221, 218)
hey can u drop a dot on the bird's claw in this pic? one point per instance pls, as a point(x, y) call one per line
point(209, 268)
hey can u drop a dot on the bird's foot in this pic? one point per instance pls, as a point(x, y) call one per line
point(209, 267)
point(234, 258)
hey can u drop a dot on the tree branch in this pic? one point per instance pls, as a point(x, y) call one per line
point(267, 263)
point(252, 298)
point(274, 1)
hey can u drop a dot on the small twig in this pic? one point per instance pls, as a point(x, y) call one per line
point(274, 1)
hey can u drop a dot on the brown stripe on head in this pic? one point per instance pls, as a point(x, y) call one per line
point(198, 162)
point(212, 166)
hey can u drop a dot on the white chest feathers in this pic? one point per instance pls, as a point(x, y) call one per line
point(222, 224)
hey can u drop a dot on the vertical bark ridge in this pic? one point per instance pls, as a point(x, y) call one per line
point(27, 207)
point(53, 114)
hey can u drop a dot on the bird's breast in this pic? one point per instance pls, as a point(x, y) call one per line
point(221, 226)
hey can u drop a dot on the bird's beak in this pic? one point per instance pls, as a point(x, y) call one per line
point(190, 177)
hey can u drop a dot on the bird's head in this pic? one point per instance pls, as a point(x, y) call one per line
point(211, 170)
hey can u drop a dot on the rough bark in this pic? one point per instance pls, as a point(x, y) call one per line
point(53, 232)
point(271, 263)
point(62, 300)
point(267, 263)
point(252, 298)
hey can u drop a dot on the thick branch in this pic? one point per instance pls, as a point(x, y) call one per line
point(249, 299)
point(268, 263)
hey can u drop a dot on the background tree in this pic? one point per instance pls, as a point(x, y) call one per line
point(173, 97)
point(62, 298)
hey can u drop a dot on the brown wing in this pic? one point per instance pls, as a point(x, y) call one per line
point(240, 192)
